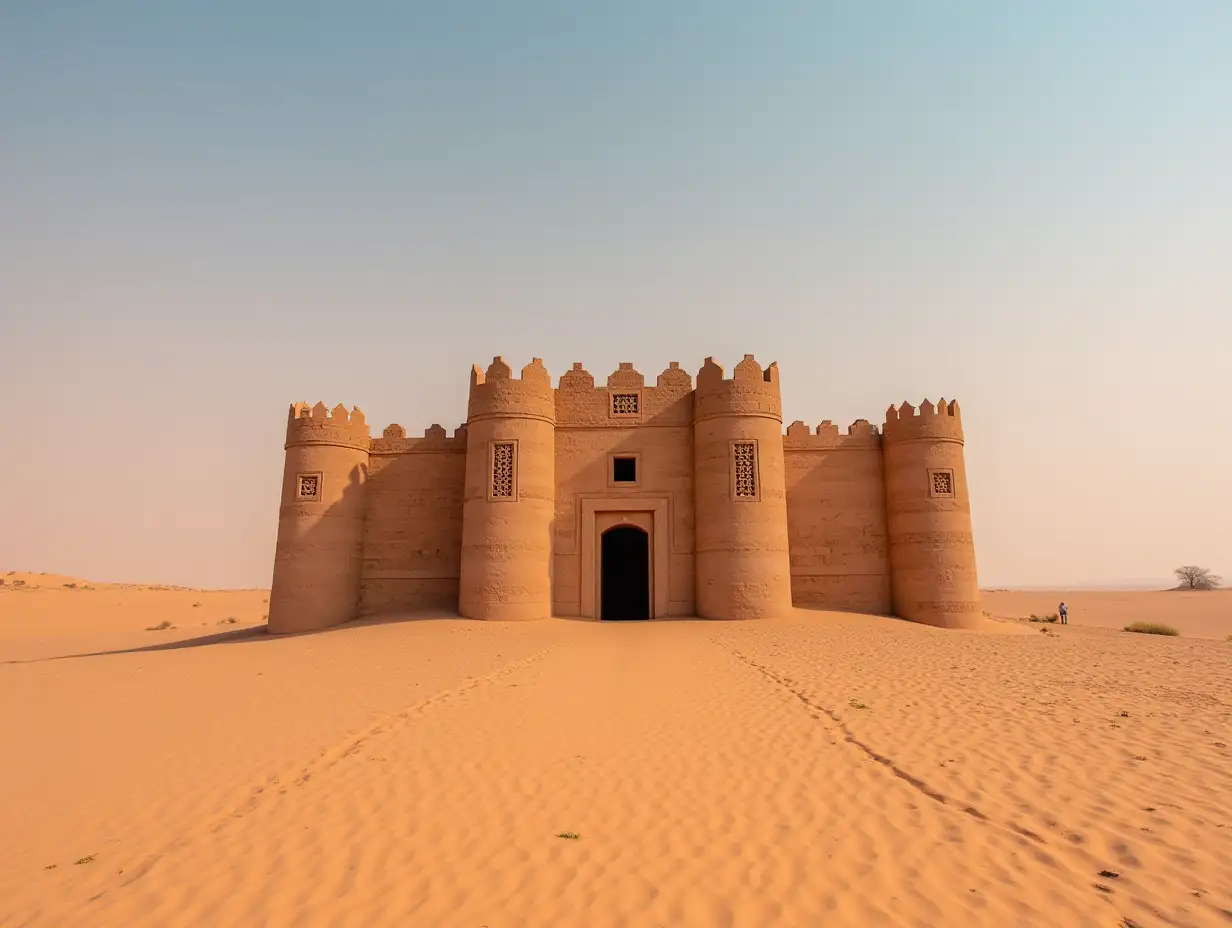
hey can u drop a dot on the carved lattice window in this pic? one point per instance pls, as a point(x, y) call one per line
point(943, 482)
point(502, 470)
point(624, 404)
point(746, 469)
point(308, 486)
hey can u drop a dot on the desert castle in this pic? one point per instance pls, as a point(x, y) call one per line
point(623, 501)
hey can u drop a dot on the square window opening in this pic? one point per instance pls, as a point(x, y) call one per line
point(624, 470)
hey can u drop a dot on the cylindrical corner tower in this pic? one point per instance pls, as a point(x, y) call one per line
point(743, 569)
point(932, 553)
point(321, 521)
point(510, 495)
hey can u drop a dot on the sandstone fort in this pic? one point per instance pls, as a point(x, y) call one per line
point(624, 501)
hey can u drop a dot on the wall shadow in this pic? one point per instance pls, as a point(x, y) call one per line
point(412, 547)
point(248, 635)
point(838, 535)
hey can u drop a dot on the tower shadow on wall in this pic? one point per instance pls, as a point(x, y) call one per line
point(412, 548)
point(405, 563)
point(837, 524)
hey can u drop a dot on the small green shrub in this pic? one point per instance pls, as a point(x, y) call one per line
point(1152, 628)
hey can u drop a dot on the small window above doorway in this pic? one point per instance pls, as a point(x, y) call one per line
point(624, 470)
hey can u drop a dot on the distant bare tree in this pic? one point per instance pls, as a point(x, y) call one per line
point(1197, 578)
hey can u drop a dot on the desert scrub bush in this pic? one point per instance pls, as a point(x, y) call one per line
point(161, 626)
point(1044, 618)
point(1152, 628)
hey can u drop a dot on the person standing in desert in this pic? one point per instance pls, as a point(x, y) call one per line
point(1064, 613)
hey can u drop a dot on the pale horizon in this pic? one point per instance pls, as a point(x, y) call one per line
point(211, 214)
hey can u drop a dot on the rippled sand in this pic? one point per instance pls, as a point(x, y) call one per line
point(820, 770)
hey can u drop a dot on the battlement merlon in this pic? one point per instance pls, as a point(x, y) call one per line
point(942, 422)
point(626, 377)
point(317, 425)
point(435, 439)
point(496, 393)
point(750, 391)
point(861, 434)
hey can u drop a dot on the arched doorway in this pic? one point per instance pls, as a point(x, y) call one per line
point(624, 582)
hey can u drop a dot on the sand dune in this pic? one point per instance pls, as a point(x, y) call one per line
point(819, 770)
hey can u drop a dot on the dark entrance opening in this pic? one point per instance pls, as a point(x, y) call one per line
point(624, 583)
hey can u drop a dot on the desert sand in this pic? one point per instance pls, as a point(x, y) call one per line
point(1195, 614)
point(822, 769)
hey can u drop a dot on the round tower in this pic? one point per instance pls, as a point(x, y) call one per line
point(743, 570)
point(510, 495)
point(932, 554)
point(321, 521)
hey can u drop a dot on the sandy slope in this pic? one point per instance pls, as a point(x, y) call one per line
point(1194, 614)
point(826, 769)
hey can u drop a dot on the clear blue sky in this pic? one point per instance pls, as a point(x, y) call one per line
point(210, 210)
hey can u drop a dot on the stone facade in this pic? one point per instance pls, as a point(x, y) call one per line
point(624, 500)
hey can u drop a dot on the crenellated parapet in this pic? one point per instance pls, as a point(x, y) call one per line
point(860, 434)
point(625, 401)
point(317, 425)
point(496, 393)
point(435, 440)
point(750, 391)
point(940, 422)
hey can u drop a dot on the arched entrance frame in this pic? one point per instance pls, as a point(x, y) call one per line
point(626, 569)
point(600, 513)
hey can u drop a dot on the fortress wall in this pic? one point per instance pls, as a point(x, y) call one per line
point(836, 518)
point(413, 537)
point(660, 435)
